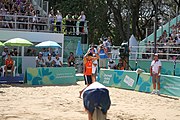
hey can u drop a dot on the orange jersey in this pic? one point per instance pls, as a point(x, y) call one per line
point(9, 62)
point(88, 68)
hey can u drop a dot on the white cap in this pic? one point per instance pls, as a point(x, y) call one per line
point(155, 54)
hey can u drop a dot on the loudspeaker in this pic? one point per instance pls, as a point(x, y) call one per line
point(84, 39)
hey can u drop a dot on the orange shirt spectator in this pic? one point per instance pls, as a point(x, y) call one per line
point(9, 64)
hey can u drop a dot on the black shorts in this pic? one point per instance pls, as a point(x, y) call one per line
point(88, 79)
point(9, 67)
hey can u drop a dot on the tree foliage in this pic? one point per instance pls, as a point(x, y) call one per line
point(110, 17)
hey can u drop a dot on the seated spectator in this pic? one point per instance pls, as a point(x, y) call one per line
point(39, 60)
point(57, 61)
point(49, 61)
point(9, 65)
point(71, 60)
point(120, 65)
point(4, 55)
point(111, 64)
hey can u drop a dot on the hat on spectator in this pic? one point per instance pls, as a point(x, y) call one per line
point(5, 47)
point(49, 54)
point(155, 54)
point(40, 53)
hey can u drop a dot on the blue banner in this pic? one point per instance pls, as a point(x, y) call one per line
point(50, 75)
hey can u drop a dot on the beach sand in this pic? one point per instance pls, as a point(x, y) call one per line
point(21, 102)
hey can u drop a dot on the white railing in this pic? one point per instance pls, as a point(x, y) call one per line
point(165, 52)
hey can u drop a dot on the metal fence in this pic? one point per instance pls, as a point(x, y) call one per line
point(40, 24)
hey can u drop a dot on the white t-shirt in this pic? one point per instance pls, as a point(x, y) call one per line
point(48, 61)
point(94, 66)
point(82, 18)
point(57, 61)
point(155, 66)
point(111, 65)
point(40, 61)
point(59, 18)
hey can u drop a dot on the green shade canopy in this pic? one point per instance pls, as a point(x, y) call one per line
point(18, 42)
point(1, 44)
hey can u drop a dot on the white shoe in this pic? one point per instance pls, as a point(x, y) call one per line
point(158, 92)
point(153, 92)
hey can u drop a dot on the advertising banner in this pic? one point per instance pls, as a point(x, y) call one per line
point(144, 83)
point(170, 85)
point(118, 78)
point(50, 76)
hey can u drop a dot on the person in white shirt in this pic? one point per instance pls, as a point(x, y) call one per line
point(49, 61)
point(82, 19)
point(57, 61)
point(94, 68)
point(155, 71)
point(111, 64)
point(58, 21)
point(39, 60)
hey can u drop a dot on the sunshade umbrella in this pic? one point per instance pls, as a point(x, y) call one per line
point(17, 42)
point(79, 51)
point(48, 44)
point(1, 44)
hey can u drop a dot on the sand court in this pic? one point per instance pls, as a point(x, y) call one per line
point(21, 102)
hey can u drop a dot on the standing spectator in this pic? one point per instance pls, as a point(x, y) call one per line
point(51, 22)
point(94, 68)
point(108, 45)
point(92, 49)
point(82, 19)
point(75, 19)
point(155, 71)
point(71, 60)
point(69, 22)
point(35, 21)
point(103, 56)
point(58, 21)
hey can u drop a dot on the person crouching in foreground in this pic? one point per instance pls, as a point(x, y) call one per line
point(87, 68)
point(96, 101)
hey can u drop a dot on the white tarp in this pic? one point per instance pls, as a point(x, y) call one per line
point(133, 46)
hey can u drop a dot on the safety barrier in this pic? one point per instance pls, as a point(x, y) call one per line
point(170, 85)
point(168, 67)
point(50, 76)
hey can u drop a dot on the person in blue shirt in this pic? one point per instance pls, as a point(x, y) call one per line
point(102, 51)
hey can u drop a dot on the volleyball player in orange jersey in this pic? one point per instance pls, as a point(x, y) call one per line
point(87, 69)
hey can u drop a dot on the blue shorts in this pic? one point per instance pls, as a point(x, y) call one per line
point(98, 97)
point(88, 79)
